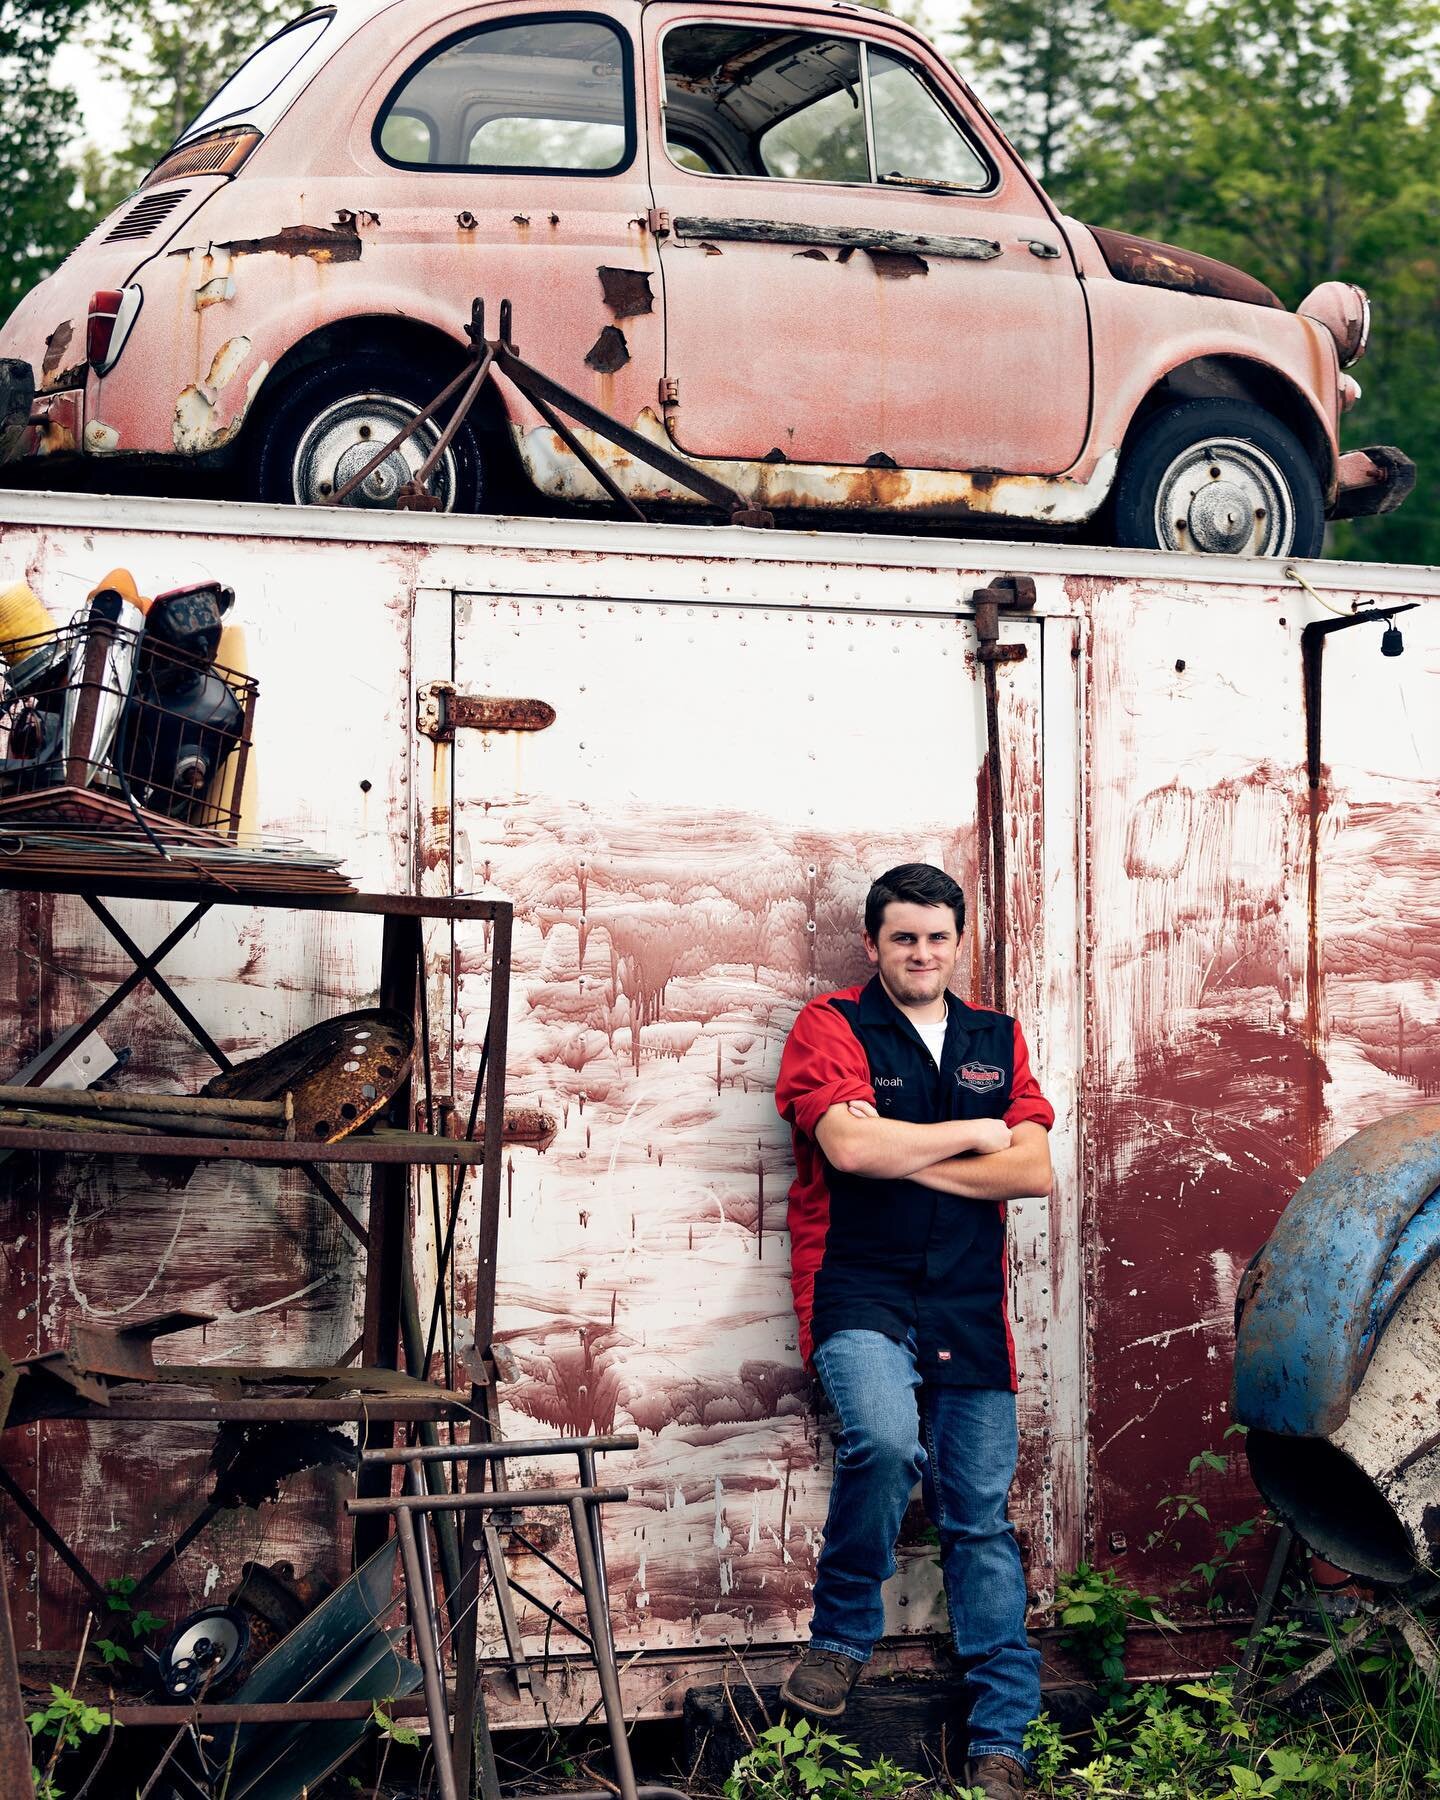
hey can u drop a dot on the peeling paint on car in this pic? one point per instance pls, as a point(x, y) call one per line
point(101, 439)
point(56, 345)
point(627, 292)
point(214, 292)
point(339, 243)
point(197, 427)
point(875, 487)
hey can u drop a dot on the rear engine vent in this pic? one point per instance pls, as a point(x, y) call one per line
point(148, 212)
point(219, 154)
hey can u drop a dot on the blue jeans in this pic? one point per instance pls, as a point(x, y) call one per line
point(961, 1444)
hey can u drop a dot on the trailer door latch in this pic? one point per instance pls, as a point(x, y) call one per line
point(440, 712)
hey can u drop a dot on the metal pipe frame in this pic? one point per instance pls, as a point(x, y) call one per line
point(582, 1503)
point(486, 1501)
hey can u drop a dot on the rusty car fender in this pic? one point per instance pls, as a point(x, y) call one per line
point(1195, 328)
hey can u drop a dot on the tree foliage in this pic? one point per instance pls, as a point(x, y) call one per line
point(172, 57)
point(1295, 138)
point(45, 212)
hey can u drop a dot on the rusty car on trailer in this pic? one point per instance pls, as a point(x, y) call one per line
point(786, 240)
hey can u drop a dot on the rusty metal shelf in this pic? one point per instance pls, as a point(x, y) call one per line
point(158, 1408)
point(214, 893)
point(414, 1147)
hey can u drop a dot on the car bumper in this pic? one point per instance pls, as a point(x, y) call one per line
point(1375, 480)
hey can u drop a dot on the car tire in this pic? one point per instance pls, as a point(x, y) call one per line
point(1219, 478)
point(328, 422)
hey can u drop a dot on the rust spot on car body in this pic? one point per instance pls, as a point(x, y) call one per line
point(897, 265)
point(627, 292)
point(339, 243)
point(73, 377)
point(56, 345)
point(609, 352)
point(1148, 264)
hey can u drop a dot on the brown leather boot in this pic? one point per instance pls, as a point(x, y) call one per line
point(998, 1778)
point(820, 1683)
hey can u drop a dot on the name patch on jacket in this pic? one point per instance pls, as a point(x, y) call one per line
point(980, 1078)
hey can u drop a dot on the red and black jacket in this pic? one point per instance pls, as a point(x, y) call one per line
point(892, 1256)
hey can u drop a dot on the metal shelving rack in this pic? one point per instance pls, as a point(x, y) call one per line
point(382, 1395)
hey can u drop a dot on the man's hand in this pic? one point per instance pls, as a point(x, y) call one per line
point(1021, 1170)
point(990, 1135)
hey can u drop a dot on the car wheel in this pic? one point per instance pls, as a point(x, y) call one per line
point(1220, 477)
point(328, 424)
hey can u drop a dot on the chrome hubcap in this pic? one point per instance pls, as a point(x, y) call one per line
point(342, 439)
point(1225, 498)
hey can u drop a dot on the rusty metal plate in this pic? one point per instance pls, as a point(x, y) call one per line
point(340, 1073)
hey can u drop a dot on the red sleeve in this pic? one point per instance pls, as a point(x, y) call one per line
point(822, 1066)
point(1026, 1101)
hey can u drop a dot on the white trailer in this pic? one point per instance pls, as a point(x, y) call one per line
point(1218, 899)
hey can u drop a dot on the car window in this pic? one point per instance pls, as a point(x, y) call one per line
point(259, 75)
point(765, 102)
point(915, 138)
point(541, 94)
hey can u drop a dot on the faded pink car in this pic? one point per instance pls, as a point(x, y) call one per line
point(783, 239)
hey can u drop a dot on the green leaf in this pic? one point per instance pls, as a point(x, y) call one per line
point(111, 1652)
point(1077, 1615)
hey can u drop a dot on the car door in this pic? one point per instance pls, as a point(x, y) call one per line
point(514, 168)
point(856, 270)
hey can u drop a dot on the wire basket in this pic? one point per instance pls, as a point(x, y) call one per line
point(98, 720)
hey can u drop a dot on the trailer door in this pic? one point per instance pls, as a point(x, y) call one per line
point(688, 847)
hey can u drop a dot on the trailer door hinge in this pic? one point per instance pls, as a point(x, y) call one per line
point(440, 712)
point(669, 390)
point(659, 221)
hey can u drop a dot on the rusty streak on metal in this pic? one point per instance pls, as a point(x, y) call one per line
point(594, 468)
point(609, 352)
point(626, 292)
point(839, 237)
point(339, 243)
point(1018, 593)
point(1150, 264)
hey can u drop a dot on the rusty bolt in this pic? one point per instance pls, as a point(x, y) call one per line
point(466, 221)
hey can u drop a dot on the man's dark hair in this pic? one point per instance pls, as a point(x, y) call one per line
point(919, 884)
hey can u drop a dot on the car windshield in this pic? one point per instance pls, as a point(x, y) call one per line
point(261, 73)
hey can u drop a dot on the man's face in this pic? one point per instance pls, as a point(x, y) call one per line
point(916, 952)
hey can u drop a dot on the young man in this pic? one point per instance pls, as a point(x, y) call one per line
point(915, 1118)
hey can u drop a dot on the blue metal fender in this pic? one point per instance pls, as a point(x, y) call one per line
point(1314, 1302)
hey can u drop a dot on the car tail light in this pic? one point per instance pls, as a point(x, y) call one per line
point(113, 311)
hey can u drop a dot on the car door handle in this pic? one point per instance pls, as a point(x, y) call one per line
point(1038, 247)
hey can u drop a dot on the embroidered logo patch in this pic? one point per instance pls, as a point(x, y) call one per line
point(942, 1356)
point(980, 1078)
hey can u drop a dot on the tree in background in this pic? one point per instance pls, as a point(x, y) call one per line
point(173, 57)
point(1045, 68)
point(1296, 138)
point(45, 212)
